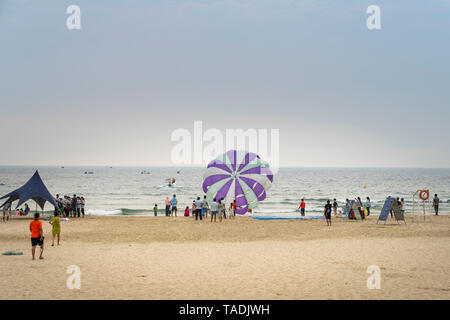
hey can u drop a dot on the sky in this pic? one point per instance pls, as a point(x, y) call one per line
point(113, 92)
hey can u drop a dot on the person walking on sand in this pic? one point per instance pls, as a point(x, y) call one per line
point(327, 213)
point(368, 205)
point(335, 206)
point(302, 207)
point(198, 208)
point(37, 236)
point(436, 204)
point(214, 210)
point(167, 206)
point(56, 228)
point(221, 210)
point(174, 203)
point(6, 211)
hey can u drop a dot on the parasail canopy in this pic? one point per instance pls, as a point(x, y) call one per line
point(238, 175)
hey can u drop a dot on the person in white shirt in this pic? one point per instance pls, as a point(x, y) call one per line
point(198, 208)
point(214, 210)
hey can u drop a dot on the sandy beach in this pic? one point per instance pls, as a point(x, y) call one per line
point(178, 258)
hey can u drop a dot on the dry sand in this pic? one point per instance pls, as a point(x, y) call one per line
point(128, 257)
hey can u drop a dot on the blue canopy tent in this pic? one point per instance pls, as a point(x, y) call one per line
point(34, 189)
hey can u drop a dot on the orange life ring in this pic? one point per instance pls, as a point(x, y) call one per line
point(424, 194)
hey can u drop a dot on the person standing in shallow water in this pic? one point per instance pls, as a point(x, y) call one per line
point(436, 204)
point(335, 206)
point(327, 213)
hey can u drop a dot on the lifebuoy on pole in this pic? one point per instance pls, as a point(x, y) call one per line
point(424, 194)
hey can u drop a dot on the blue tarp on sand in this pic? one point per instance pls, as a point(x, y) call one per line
point(34, 189)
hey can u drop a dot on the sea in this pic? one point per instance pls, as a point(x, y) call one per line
point(113, 191)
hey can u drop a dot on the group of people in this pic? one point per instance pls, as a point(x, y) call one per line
point(19, 212)
point(363, 209)
point(200, 208)
point(70, 206)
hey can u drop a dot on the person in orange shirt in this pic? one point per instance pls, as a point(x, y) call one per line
point(37, 235)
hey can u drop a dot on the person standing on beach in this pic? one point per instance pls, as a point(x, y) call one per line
point(198, 208)
point(224, 208)
point(193, 209)
point(82, 204)
point(214, 210)
point(368, 205)
point(205, 207)
point(37, 236)
point(78, 207)
point(436, 204)
point(221, 209)
point(26, 210)
point(6, 211)
point(327, 213)
point(167, 206)
point(74, 206)
point(155, 210)
point(402, 207)
point(174, 203)
point(234, 204)
point(56, 228)
point(335, 206)
point(302, 208)
point(359, 205)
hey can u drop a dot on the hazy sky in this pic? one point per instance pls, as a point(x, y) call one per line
point(113, 92)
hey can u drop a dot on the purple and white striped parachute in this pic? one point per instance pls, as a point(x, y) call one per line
point(238, 175)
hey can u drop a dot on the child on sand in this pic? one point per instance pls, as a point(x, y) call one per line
point(186, 212)
point(37, 235)
point(56, 228)
point(155, 210)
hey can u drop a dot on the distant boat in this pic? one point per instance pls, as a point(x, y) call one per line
point(62, 167)
point(88, 172)
point(145, 172)
point(178, 172)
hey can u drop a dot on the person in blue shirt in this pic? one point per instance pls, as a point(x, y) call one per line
point(174, 203)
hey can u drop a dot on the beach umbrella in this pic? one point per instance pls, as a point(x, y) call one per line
point(238, 175)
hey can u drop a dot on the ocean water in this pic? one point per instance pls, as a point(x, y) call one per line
point(126, 191)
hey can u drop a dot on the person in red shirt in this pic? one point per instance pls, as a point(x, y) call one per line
point(37, 235)
point(302, 207)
